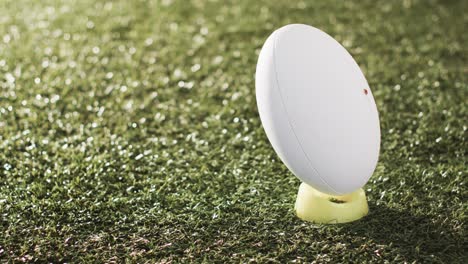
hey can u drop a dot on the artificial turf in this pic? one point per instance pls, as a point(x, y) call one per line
point(129, 132)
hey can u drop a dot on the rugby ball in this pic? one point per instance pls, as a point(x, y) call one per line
point(317, 109)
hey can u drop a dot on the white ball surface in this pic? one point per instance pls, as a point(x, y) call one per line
point(317, 109)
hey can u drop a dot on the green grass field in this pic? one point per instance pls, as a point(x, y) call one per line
point(129, 132)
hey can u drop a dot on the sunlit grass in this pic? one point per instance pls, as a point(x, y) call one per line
point(129, 131)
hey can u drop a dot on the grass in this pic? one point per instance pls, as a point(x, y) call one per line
point(129, 132)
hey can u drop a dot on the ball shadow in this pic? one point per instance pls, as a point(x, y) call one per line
point(424, 237)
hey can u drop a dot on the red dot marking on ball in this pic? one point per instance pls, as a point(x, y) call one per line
point(366, 92)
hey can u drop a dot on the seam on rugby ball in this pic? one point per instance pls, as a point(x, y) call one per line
point(288, 118)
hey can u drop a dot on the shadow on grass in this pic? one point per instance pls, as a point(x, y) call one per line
point(424, 237)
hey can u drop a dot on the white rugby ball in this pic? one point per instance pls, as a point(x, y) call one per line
point(317, 109)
